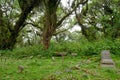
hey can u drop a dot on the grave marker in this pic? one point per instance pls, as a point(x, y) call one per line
point(106, 60)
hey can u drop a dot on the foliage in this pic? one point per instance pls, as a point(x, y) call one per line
point(99, 22)
point(88, 48)
point(82, 48)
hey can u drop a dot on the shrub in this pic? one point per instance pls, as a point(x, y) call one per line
point(82, 48)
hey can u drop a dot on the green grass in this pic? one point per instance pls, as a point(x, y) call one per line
point(38, 63)
point(44, 68)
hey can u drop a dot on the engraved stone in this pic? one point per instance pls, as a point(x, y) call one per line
point(106, 60)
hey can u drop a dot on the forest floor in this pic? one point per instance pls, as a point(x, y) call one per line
point(57, 68)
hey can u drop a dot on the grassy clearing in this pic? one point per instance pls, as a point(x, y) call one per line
point(42, 68)
point(39, 65)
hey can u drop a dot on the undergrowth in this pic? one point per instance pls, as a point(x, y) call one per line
point(81, 48)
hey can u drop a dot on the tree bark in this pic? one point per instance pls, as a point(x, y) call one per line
point(46, 39)
point(9, 41)
point(50, 22)
point(48, 31)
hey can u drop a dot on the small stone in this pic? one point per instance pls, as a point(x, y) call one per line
point(20, 69)
point(68, 70)
point(74, 54)
point(31, 57)
point(88, 61)
point(58, 72)
point(76, 67)
point(53, 58)
point(60, 54)
point(39, 56)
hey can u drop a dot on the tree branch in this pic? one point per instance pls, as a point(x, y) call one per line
point(64, 29)
point(35, 25)
point(60, 21)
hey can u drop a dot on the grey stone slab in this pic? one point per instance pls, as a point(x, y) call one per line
point(105, 54)
point(109, 66)
point(106, 60)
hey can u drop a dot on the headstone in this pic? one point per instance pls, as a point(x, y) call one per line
point(106, 60)
point(60, 54)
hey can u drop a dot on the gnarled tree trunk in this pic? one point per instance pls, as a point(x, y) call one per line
point(10, 39)
point(47, 35)
point(50, 23)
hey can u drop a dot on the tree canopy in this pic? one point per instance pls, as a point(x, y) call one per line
point(51, 19)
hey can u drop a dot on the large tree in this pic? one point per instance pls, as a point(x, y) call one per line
point(51, 21)
point(12, 29)
point(99, 19)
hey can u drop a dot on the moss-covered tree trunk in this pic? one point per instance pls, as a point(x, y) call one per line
point(50, 22)
point(47, 35)
point(9, 33)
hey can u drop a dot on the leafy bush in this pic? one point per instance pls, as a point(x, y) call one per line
point(82, 48)
point(90, 48)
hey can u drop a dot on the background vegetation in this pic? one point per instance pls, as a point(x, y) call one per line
point(33, 31)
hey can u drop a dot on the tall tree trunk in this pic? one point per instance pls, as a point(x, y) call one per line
point(47, 35)
point(50, 22)
point(46, 38)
